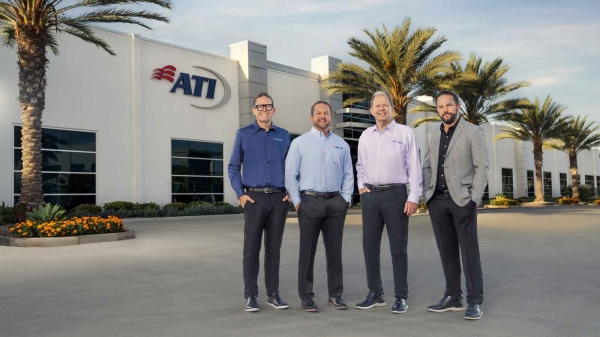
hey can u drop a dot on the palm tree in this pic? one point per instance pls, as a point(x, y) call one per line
point(400, 63)
point(481, 89)
point(579, 137)
point(539, 125)
point(33, 26)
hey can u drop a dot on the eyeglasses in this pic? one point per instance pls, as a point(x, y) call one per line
point(261, 107)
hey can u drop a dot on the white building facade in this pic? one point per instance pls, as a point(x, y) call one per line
point(157, 122)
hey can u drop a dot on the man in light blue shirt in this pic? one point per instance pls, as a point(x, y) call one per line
point(320, 181)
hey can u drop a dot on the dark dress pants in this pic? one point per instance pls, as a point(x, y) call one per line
point(379, 209)
point(267, 214)
point(316, 215)
point(455, 230)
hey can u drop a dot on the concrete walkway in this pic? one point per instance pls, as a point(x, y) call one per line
point(184, 278)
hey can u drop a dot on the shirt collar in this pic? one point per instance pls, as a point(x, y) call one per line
point(390, 126)
point(256, 127)
point(453, 127)
point(319, 133)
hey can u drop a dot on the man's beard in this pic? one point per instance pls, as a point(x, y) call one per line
point(451, 120)
point(316, 124)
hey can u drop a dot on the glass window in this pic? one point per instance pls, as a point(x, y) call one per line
point(55, 161)
point(563, 184)
point(293, 136)
point(530, 183)
point(68, 166)
point(486, 192)
point(589, 181)
point(547, 183)
point(507, 183)
point(197, 171)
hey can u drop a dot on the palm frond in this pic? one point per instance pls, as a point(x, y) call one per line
point(167, 4)
point(120, 16)
point(86, 34)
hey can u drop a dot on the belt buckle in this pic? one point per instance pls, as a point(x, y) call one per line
point(268, 190)
point(328, 195)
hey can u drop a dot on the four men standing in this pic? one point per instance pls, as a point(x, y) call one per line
point(317, 174)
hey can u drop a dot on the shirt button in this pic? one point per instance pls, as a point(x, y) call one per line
point(442, 174)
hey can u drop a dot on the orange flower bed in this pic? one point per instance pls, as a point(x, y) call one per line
point(72, 227)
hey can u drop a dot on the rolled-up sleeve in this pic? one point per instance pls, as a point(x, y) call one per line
point(413, 169)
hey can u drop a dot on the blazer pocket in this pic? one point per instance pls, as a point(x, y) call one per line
point(467, 181)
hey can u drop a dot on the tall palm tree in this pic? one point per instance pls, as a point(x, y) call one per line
point(33, 26)
point(481, 88)
point(579, 137)
point(399, 62)
point(540, 125)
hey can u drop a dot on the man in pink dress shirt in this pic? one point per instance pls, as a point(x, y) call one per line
point(388, 161)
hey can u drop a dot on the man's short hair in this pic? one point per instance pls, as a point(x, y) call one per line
point(447, 92)
point(381, 93)
point(264, 94)
point(312, 109)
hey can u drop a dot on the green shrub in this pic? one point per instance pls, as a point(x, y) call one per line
point(502, 200)
point(148, 206)
point(47, 213)
point(179, 206)
point(197, 204)
point(357, 205)
point(7, 214)
point(91, 209)
point(119, 205)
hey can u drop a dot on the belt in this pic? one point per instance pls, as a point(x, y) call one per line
point(383, 187)
point(443, 192)
point(266, 190)
point(324, 195)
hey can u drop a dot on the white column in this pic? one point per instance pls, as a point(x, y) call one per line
point(136, 117)
point(324, 65)
point(252, 75)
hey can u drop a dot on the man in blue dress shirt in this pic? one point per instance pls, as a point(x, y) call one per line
point(261, 148)
point(319, 179)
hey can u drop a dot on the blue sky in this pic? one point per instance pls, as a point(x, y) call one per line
point(555, 45)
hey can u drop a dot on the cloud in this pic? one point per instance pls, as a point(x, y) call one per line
point(555, 76)
point(272, 8)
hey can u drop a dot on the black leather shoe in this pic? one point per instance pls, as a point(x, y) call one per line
point(309, 305)
point(473, 312)
point(252, 304)
point(448, 303)
point(372, 300)
point(276, 302)
point(338, 303)
point(400, 306)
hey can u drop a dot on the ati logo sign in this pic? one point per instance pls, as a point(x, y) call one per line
point(184, 82)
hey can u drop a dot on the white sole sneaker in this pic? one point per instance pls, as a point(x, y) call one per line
point(373, 306)
point(252, 309)
point(278, 307)
point(447, 309)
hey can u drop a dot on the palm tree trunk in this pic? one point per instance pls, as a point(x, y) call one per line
point(573, 169)
point(32, 95)
point(400, 112)
point(538, 159)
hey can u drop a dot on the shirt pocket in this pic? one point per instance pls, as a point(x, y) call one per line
point(336, 154)
point(395, 149)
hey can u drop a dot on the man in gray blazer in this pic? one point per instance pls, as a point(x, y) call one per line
point(455, 171)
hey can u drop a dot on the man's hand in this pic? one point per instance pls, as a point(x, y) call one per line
point(297, 206)
point(244, 199)
point(410, 208)
point(364, 190)
point(287, 198)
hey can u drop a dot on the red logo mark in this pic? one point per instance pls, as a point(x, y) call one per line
point(166, 72)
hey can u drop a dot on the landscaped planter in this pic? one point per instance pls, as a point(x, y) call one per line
point(502, 206)
point(65, 241)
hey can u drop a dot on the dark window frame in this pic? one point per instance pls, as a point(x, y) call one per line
point(48, 197)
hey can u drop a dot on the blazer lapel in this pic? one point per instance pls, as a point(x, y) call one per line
point(459, 128)
point(434, 154)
